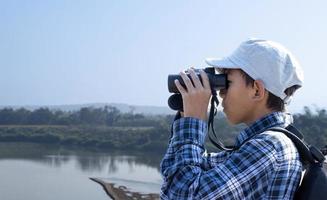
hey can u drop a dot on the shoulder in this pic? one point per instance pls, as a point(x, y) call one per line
point(279, 143)
point(262, 143)
point(278, 139)
point(274, 148)
point(269, 142)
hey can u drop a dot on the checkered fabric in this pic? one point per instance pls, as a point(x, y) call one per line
point(267, 166)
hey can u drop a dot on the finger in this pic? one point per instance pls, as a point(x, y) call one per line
point(180, 88)
point(188, 84)
point(196, 81)
point(205, 80)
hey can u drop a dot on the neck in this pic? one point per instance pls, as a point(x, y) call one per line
point(258, 114)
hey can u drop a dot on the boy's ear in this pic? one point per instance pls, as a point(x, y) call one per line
point(259, 91)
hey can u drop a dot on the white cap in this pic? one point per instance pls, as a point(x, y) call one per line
point(267, 61)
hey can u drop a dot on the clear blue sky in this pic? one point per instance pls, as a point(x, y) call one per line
point(71, 52)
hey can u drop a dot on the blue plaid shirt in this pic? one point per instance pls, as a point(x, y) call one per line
point(265, 167)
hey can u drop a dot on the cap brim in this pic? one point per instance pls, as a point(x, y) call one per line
point(221, 63)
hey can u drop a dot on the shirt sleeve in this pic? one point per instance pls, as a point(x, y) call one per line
point(186, 174)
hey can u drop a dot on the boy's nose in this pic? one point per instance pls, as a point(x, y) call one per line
point(222, 93)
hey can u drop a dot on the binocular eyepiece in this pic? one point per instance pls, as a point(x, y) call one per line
point(216, 81)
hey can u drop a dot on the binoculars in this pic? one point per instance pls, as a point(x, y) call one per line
point(216, 81)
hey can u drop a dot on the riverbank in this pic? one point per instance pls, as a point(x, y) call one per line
point(116, 191)
point(145, 138)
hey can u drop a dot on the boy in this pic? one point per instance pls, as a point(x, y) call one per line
point(262, 76)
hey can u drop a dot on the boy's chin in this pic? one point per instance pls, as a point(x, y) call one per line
point(232, 121)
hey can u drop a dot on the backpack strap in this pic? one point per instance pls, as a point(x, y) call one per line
point(308, 153)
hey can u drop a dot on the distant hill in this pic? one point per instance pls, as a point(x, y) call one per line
point(124, 108)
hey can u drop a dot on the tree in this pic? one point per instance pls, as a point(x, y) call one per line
point(112, 115)
point(40, 116)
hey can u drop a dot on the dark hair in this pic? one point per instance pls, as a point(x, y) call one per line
point(274, 102)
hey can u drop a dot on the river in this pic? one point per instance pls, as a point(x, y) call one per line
point(43, 172)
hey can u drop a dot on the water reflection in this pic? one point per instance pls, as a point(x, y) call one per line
point(69, 169)
point(86, 160)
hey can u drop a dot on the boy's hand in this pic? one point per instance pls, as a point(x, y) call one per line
point(196, 96)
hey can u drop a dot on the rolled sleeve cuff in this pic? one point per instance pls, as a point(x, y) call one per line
point(189, 130)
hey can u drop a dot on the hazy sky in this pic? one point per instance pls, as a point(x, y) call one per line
point(70, 52)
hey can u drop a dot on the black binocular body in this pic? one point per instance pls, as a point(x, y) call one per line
point(216, 81)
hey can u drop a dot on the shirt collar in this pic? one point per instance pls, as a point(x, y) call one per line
point(273, 119)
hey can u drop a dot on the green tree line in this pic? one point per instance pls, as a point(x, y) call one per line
point(44, 116)
point(107, 127)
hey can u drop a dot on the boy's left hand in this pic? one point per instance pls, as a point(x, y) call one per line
point(196, 95)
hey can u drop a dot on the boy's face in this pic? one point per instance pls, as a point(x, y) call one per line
point(237, 100)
